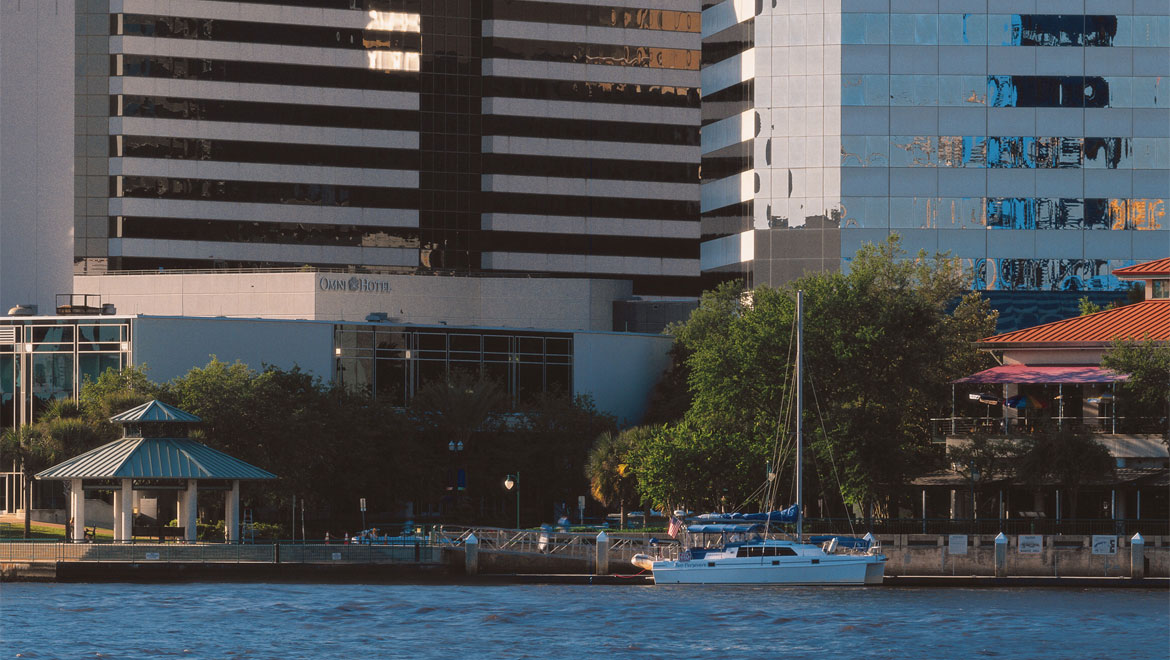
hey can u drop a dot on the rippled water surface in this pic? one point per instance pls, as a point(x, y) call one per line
point(379, 621)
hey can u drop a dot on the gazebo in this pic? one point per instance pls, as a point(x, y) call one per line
point(154, 453)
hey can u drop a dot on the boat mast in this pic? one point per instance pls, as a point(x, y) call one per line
point(799, 411)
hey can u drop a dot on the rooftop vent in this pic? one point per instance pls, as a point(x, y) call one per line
point(23, 310)
point(108, 309)
point(377, 317)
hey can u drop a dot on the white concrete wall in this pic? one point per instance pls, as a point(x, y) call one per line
point(36, 151)
point(619, 371)
point(170, 347)
point(547, 303)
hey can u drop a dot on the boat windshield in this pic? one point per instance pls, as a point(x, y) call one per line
point(764, 551)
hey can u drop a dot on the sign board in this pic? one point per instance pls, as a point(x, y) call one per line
point(1031, 544)
point(152, 555)
point(336, 556)
point(957, 544)
point(363, 505)
point(580, 501)
point(1104, 545)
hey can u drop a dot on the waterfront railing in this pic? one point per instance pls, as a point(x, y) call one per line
point(421, 552)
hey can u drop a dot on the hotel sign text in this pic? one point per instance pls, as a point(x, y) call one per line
point(353, 284)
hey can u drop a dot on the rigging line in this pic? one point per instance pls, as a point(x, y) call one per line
point(786, 412)
point(832, 459)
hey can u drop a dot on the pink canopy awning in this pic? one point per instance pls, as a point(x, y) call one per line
point(1020, 373)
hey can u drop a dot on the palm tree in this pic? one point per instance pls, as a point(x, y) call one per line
point(611, 479)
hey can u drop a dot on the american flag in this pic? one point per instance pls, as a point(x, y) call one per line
point(675, 526)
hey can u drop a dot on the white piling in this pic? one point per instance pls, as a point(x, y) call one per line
point(1001, 544)
point(602, 565)
point(1137, 557)
point(471, 555)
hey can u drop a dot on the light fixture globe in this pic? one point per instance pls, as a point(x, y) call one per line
point(509, 482)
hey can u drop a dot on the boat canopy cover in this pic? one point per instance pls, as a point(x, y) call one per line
point(842, 541)
point(786, 516)
point(725, 529)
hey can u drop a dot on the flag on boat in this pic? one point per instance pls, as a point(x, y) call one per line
point(675, 525)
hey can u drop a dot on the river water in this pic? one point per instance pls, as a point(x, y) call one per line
point(223, 620)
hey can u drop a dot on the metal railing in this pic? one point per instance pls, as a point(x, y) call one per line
point(940, 427)
point(582, 545)
point(992, 526)
point(421, 552)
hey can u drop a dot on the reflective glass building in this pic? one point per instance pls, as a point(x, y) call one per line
point(1029, 137)
point(559, 137)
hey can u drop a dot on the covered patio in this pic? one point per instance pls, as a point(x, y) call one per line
point(154, 454)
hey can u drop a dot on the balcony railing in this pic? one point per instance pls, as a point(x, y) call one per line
point(941, 427)
point(1048, 526)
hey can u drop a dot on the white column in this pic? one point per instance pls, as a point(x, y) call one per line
point(117, 516)
point(231, 513)
point(77, 509)
point(190, 510)
point(127, 512)
point(180, 510)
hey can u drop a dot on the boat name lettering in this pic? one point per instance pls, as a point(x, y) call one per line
point(353, 284)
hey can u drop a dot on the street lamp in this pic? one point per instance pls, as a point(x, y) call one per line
point(510, 482)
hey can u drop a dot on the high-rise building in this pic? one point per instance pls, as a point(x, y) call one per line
point(1031, 138)
point(396, 135)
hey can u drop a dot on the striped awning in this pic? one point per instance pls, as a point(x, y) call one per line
point(154, 458)
point(1022, 373)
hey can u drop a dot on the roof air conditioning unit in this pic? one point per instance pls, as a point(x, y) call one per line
point(23, 310)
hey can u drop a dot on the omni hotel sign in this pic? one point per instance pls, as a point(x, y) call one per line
point(353, 284)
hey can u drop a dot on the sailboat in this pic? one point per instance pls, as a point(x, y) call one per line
point(746, 557)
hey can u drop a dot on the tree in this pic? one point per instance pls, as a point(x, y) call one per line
point(1146, 393)
point(24, 446)
point(983, 460)
point(1067, 455)
point(612, 480)
point(882, 343)
point(458, 406)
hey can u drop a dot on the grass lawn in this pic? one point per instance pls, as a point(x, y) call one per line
point(10, 531)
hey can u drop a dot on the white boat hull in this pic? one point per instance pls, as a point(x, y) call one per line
point(827, 570)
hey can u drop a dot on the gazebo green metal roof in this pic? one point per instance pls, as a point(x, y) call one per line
point(154, 458)
point(154, 411)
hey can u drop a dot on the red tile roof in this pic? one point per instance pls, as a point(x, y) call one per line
point(1147, 269)
point(1149, 319)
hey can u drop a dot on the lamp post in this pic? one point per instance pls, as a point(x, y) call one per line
point(510, 482)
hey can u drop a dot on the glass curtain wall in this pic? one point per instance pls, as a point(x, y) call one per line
point(394, 362)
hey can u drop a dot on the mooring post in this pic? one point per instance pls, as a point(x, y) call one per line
point(1137, 557)
point(1001, 544)
point(602, 566)
point(471, 555)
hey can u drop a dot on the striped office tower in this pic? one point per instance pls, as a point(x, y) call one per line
point(591, 139)
point(1029, 137)
point(467, 136)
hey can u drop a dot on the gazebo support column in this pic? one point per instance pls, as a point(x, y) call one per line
point(231, 513)
point(126, 517)
point(190, 509)
point(118, 516)
point(77, 510)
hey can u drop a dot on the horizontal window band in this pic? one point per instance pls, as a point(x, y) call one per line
point(745, 149)
point(136, 146)
point(590, 168)
point(586, 244)
point(414, 6)
point(315, 194)
point(595, 16)
point(719, 168)
point(164, 263)
point(255, 112)
point(1005, 152)
point(601, 207)
point(590, 129)
point(588, 53)
point(730, 42)
point(580, 90)
point(291, 233)
point(183, 68)
point(740, 209)
point(215, 29)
